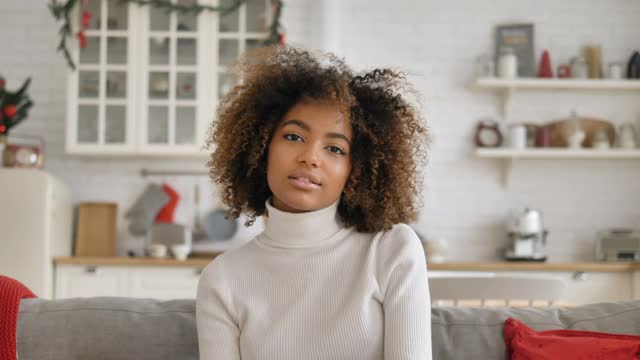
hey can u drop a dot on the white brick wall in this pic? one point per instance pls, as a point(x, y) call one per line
point(436, 42)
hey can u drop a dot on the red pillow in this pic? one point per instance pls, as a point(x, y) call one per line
point(524, 343)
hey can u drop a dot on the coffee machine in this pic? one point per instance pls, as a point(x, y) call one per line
point(527, 236)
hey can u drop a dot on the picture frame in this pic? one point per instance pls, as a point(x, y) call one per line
point(519, 37)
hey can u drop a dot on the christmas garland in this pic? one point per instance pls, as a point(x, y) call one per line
point(61, 12)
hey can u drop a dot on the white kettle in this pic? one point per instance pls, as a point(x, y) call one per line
point(527, 221)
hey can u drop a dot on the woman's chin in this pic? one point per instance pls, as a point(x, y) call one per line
point(295, 203)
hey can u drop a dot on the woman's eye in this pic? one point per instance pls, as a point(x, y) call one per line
point(292, 137)
point(335, 149)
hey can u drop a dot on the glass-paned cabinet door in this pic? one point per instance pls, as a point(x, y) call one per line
point(238, 32)
point(174, 80)
point(100, 110)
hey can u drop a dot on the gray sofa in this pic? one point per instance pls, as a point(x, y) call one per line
point(109, 328)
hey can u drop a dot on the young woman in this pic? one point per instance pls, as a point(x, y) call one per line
point(330, 158)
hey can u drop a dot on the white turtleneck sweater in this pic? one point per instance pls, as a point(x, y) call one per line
point(309, 288)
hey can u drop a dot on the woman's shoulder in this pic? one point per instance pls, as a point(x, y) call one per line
point(397, 249)
point(399, 242)
point(399, 236)
point(229, 261)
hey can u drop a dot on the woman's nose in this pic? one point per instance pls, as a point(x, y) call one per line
point(310, 156)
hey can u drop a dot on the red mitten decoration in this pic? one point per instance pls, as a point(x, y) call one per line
point(166, 214)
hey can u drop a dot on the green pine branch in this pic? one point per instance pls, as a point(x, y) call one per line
point(20, 100)
point(61, 13)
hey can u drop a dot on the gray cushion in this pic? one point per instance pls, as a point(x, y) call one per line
point(109, 328)
point(477, 333)
point(106, 328)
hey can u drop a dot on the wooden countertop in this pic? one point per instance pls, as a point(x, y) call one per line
point(132, 261)
point(449, 266)
point(534, 266)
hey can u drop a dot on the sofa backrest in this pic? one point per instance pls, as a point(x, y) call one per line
point(107, 328)
point(477, 333)
point(126, 328)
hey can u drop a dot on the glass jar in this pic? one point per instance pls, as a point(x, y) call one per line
point(579, 68)
point(485, 67)
point(615, 70)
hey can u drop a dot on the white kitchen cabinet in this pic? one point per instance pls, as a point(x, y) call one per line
point(172, 282)
point(599, 287)
point(101, 91)
point(169, 279)
point(582, 287)
point(148, 81)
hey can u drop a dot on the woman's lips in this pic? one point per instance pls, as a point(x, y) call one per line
point(303, 184)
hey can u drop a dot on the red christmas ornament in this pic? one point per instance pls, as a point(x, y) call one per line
point(10, 110)
point(86, 17)
point(82, 39)
point(544, 69)
point(3, 129)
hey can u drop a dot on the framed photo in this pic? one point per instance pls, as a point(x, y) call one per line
point(519, 37)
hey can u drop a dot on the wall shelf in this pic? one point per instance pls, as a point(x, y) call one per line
point(558, 153)
point(508, 156)
point(546, 84)
point(508, 87)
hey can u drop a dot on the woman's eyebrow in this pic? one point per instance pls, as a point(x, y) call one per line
point(308, 128)
point(296, 122)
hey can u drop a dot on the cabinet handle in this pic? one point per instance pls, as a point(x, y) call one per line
point(198, 271)
point(580, 276)
point(91, 269)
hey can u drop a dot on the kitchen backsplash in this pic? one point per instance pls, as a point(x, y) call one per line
point(436, 42)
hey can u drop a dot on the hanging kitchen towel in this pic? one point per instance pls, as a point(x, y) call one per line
point(11, 292)
point(166, 214)
point(145, 209)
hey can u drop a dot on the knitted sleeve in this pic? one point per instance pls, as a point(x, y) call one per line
point(218, 330)
point(402, 273)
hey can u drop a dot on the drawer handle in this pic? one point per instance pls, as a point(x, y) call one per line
point(580, 276)
point(91, 269)
point(198, 271)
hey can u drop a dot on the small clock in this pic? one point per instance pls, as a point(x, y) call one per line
point(24, 152)
point(488, 134)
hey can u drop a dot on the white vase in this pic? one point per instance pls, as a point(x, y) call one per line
point(507, 64)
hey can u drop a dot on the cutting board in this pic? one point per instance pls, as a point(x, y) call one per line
point(96, 229)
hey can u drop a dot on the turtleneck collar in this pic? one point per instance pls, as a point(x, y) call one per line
point(298, 230)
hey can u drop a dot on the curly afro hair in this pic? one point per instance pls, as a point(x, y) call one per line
point(389, 138)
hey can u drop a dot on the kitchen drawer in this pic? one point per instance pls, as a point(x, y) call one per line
point(582, 287)
point(164, 283)
point(88, 281)
point(128, 281)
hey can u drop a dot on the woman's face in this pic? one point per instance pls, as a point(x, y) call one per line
point(309, 157)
